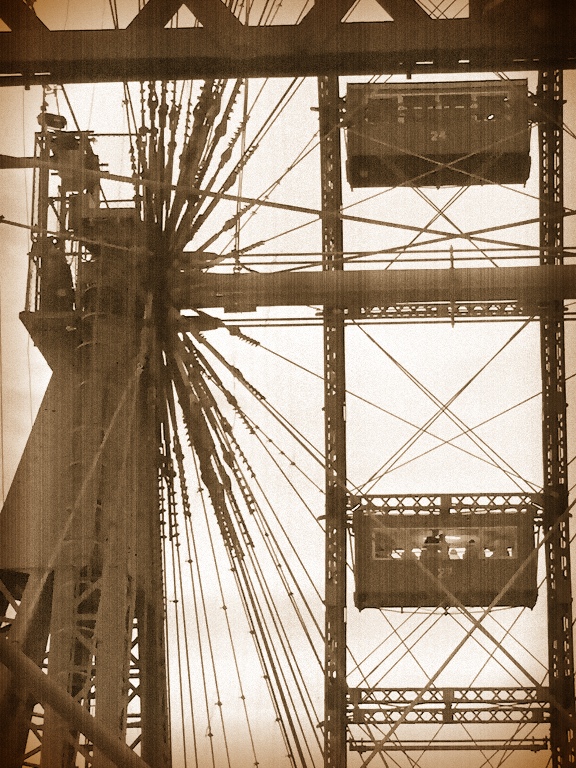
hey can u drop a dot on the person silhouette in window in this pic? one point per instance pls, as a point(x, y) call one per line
point(472, 550)
point(432, 545)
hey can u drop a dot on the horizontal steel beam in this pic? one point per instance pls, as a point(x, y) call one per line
point(410, 44)
point(351, 289)
point(447, 311)
point(469, 706)
point(9, 161)
point(444, 745)
point(448, 503)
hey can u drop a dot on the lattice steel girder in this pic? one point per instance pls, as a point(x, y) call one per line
point(334, 435)
point(554, 431)
point(470, 706)
point(388, 314)
point(444, 745)
point(364, 288)
point(460, 310)
point(434, 503)
point(505, 35)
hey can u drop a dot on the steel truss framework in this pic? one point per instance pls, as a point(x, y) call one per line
point(313, 41)
point(467, 504)
point(96, 598)
point(479, 706)
point(558, 574)
point(86, 595)
point(361, 290)
point(470, 706)
point(335, 434)
point(390, 707)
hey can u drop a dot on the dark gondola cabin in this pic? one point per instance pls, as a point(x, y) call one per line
point(438, 550)
point(435, 134)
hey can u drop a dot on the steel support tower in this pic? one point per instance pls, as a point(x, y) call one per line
point(556, 506)
point(335, 433)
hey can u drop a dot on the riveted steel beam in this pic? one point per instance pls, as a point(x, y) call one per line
point(335, 743)
point(351, 289)
point(510, 35)
point(554, 430)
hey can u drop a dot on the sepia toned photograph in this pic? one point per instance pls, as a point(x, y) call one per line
point(287, 355)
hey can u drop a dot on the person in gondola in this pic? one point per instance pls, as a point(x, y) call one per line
point(472, 550)
point(383, 546)
point(432, 545)
point(434, 552)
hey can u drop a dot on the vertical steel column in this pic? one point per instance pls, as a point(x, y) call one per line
point(335, 435)
point(149, 608)
point(559, 591)
point(40, 245)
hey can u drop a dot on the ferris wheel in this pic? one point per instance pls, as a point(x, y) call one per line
point(283, 501)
